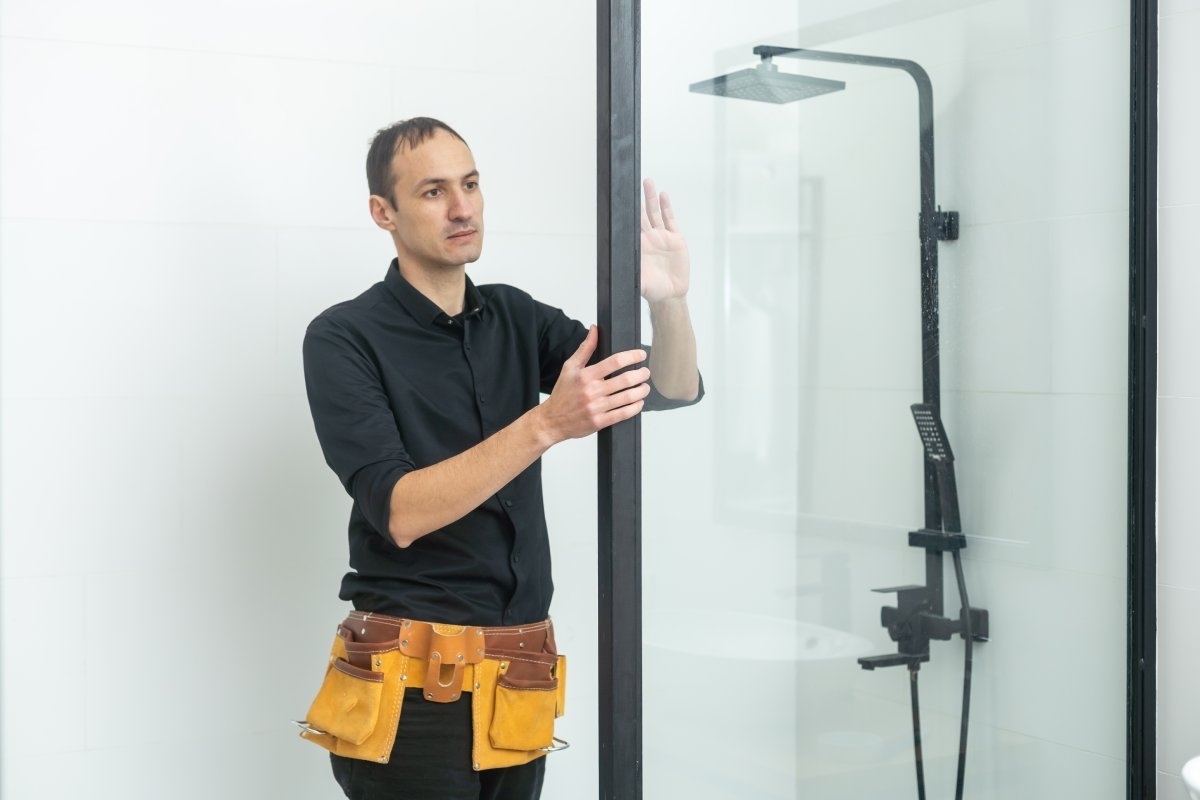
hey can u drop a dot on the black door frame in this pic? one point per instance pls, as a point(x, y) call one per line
point(1143, 396)
point(619, 316)
point(618, 313)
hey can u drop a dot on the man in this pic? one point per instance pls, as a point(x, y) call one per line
point(425, 393)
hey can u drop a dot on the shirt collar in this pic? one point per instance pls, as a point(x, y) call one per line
point(420, 307)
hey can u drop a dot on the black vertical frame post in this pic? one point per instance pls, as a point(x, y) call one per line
point(1143, 391)
point(619, 316)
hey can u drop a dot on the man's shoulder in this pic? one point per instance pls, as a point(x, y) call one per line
point(513, 299)
point(503, 293)
point(350, 313)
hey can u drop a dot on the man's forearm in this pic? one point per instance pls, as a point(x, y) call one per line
point(431, 498)
point(584, 400)
point(673, 368)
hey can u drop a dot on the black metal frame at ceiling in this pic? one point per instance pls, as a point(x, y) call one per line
point(619, 315)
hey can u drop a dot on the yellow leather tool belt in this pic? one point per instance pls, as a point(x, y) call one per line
point(516, 678)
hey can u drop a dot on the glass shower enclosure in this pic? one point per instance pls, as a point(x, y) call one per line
point(915, 354)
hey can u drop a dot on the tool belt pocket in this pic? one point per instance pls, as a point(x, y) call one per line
point(519, 696)
point(357, 708)
point(526, 702)
point(347, 704)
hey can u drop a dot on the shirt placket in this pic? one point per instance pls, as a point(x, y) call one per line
point(488, 425)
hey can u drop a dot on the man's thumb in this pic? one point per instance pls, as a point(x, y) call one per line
point(586, 348)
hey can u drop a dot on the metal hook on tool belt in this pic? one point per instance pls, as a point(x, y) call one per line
point(304, 726)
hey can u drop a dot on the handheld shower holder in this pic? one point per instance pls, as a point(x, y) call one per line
point(937, 541)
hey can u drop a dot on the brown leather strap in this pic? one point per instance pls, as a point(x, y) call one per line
point(445, 650)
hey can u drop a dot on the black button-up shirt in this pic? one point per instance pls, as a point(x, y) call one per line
point(395, 385)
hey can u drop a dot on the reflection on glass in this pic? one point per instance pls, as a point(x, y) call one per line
point(883, 399)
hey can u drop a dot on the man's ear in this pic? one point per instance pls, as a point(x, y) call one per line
point(382, 212)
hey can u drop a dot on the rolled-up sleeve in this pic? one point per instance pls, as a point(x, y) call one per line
point(353, 418)
point(657, 401)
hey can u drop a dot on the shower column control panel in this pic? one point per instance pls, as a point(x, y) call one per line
point(918, 616)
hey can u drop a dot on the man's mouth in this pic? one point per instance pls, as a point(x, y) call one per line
point(462, 234)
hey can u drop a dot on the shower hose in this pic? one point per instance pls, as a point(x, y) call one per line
point(968, 638)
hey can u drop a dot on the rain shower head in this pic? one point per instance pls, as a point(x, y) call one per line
point(767, 84)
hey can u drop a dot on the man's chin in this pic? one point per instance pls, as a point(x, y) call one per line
point(470, 255)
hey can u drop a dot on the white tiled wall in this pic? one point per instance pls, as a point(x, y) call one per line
point(183, 191)
point(1179, 394)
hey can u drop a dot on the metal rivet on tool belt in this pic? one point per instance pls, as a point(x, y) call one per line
point(453, 697)
point(379, 662)
point(480, 631)
point(363, 631)
point(476, 765)
point(404, 643)
point(407, 624)
point(479, 650)
point(403, 678)
point(477, 686)
point(503, 665)
point(429, 696)
point(460, 656)
point(520, 644)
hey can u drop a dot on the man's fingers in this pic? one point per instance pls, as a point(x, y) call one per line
point(630, 395)
point(668, 213)
point(651, 204)
point(621, 414)
point(588, 346)
point(617, 400)
point(625, 380)
point(618, 361)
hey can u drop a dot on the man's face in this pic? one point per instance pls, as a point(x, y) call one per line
point(438, 219)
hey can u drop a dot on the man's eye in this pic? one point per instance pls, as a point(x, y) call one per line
point(433, 193)
point(472, 185)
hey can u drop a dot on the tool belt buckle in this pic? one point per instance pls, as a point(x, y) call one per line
point(451, 649)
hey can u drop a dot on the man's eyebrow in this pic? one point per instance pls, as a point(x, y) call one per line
point(434, 181)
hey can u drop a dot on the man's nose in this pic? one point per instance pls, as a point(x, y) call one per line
point(462, 205)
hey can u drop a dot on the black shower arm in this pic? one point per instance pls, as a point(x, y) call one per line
point(924, 111)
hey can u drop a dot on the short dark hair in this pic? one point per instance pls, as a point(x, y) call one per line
point(388, 141)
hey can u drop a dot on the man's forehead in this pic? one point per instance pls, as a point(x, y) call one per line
point(441, 156)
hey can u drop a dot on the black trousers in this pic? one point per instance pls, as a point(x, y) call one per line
point(431, 760)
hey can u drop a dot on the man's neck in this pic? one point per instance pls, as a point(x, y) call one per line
point(445, 286)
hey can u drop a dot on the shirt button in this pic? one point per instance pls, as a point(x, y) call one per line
point(508, 503)
point(516, 559)
point(482, 400)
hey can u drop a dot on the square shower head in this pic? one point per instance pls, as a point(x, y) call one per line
point(767, 84)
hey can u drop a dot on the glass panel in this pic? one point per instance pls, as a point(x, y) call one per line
point(776, 508)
